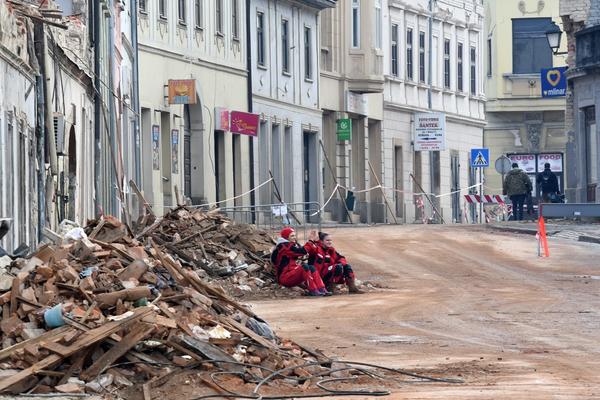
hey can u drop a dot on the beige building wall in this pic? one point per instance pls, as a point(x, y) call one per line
point(519, 119)
point(213, 53)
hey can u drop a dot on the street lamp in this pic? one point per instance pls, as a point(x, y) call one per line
point(553, 34)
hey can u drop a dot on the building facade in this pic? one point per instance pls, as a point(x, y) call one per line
point(18, 139)
point(581, 23)
point(433, 64)
point(286, 94)
point(352, 84)
point(522, 124)
point(46, 101)
point(189, 149)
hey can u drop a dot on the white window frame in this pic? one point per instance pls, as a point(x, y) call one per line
point(355, 24)
point(308, 56)
point(235, 20)
point(285, 46)
point(378, 25)
point(199, 14)
point(260, 39)
point(219, 17)
point(394, 45)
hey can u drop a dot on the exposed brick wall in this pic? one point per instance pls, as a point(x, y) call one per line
point(577, 10)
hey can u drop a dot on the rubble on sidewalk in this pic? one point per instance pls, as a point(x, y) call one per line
point(106, 310)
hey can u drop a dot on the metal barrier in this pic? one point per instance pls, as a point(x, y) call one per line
point(304, 217)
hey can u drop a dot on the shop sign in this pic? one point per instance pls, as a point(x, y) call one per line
point(175, 151)
point(356, 103)
point(182, 91)
point(555, 160)
point(430, 132)
point(526, 162)
point(554, 82)
point(221, 119)
point(155, 147)
point(244, 123)
point(344, 129)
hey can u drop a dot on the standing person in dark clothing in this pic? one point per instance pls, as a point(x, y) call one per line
point(288, 259)
point(548, 185)
point(516, 186)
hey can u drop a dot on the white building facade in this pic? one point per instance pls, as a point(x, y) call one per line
point(284, 49)
point(450, 82)
point(189, 149)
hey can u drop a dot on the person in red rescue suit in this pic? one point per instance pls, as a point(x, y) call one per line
point(287, 259)
point(332, 266)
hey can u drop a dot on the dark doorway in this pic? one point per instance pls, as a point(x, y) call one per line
point(220, 165)
point(455, 186)
point(398, 181)
point(310, 168)
point(418, 199)
point(72, 175)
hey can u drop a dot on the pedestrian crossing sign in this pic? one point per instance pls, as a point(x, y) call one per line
point(480, 158)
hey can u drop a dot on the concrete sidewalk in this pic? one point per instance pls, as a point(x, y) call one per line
point(567, 229)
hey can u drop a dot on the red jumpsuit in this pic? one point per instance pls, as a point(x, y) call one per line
point(332, 266)
point(289, 272)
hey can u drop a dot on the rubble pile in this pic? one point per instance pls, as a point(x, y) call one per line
point(105, 310)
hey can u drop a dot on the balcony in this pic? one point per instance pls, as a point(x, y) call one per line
point(365, 72)
point(588, 47)
point(522, 85)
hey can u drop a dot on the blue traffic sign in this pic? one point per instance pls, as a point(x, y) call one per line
point(480, 158)
point(554, 82)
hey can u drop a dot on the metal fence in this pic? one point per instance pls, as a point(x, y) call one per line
point(304, 217)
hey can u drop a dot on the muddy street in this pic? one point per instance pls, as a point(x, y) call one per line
point(466, 302)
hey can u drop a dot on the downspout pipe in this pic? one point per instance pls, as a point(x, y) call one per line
point(249, 96)
point(97, 100)
point(136, 92)
point(40, 131)
point(111, 102)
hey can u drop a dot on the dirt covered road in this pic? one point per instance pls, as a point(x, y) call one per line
point(465, 302)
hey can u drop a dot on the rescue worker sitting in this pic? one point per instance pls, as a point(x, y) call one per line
point(331, 265)
point(291, 268)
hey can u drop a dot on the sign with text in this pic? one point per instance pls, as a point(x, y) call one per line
point(554, 82)
point(525, 161)
point(155, 147)
point(175, 151)
point(182, 91)
point(430, 132)
point(344, 129)
point(356, 103)
point(555, 160)
point(244, 123)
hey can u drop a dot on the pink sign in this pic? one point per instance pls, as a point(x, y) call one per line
point(244, 123)
point(221, 119)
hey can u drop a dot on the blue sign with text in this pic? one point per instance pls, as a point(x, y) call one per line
point(480, 158)
point(554, 82)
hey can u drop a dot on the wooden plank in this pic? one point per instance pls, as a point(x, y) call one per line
point(160, 320)
point(201, 286)
point(248, 332)
point(98, 228)
point(211, 352)
point(50, 336)
point(15, 292)
point(120, 252)
point(57, 348)
point(141, 198)
point(87, 339)
point(137, 333)
point(165, 310)
point(76, 365)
